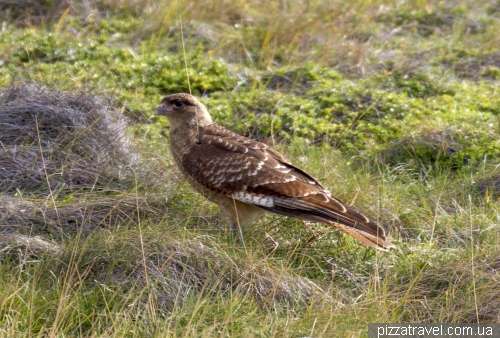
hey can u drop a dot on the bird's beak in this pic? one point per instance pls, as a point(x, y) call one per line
point(162, 110)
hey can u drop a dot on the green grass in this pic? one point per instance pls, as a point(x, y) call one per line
point(394, 107)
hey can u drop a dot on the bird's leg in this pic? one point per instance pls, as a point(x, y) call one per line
point(237, 229)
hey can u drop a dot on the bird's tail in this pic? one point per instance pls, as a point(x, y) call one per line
point(332, 211)
point(378, 241)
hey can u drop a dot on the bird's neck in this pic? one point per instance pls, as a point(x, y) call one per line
point(182, 139)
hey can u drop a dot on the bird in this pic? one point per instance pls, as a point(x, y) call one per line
point(246, 177)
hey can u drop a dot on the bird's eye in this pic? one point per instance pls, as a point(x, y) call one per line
point(178, 103)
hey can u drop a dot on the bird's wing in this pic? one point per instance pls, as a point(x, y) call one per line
point(227, 140)
point(251, 172)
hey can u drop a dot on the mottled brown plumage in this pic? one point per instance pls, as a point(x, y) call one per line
point(245, 177)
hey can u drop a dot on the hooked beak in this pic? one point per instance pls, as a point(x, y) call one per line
point(162, 109)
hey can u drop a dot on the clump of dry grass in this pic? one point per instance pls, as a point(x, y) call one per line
point(27, 246)
point(174, 271)
point(66, 161)
point(83, 213)
point(57, 141)
point(166, 272)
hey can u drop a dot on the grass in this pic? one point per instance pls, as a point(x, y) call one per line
point(393, 106)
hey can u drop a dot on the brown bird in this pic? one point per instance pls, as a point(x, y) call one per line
point(246, 178)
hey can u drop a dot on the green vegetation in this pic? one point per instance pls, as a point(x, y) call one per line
point(394, 105)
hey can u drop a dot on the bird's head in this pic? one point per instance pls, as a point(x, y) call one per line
point(183, 110)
